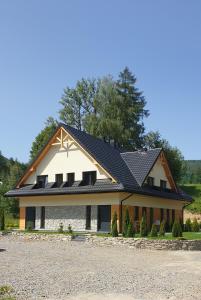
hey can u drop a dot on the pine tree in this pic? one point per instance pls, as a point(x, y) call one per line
point(114, 225)
point(143, 226)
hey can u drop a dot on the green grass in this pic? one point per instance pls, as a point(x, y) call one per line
point(193, 190)
point(168, 236)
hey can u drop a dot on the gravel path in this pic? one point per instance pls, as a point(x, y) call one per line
point(62, 270)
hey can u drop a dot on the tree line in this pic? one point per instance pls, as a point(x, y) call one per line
point(110, 109)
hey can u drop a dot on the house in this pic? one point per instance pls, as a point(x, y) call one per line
point(80, 180)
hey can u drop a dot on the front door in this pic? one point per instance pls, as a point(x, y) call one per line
point(104, 218)
point(30, 217)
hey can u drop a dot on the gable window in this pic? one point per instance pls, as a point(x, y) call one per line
point(88, 178)
point(70, 178)
point(41, 181)
point(150, 181)
point(58, 180)
point(163, 184)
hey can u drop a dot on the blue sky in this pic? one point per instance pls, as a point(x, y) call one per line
point(47, 45)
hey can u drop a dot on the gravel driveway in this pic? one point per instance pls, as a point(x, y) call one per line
point(75, 270)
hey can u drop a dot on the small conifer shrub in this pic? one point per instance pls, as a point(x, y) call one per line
point(143, 226)
point(61, 228)
point(162, 229)
point(114, 225)
point(195, 225)
point(176, 229)
point(70, 230)
point(188, 225)
point(154, 231)
point(126, 222)
point(130, 230)
point(2, 220)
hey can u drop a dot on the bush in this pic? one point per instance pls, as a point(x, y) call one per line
point(130, 231)
point(61, 228)
point(195, 225)
point(176, 229)
point(188, 225)
point(70, 230)
point(114, 225)
point(154, 231)
point(29, 226)
point(2, 220)
point(162, 228)
point(126, 222)
point(143, 226)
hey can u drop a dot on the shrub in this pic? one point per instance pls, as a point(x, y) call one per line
point(154, 231)
point(130, 230)
point(143, 226)
point(61, 228)
point(5, 289)
point(2, 220)
point(162, 228)
point(195, 225)
point(114, 225)
point(188, 225)
point(176, 229)
point(70, 230)
point(126, 222)
point(29, 226)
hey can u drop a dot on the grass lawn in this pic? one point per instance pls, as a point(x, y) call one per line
point(193, 190)
point(11, 222)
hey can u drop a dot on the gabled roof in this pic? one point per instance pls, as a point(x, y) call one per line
point(141, 162)
point(129, 169)
point(108, 157)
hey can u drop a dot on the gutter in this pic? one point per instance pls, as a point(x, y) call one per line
point(121, 212)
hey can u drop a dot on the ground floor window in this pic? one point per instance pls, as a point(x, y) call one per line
point(88, 217)
point(136, 213)
point(42, 217)
point(173, 215)
point(144, 211)
point(151, 216)
point(162, 214)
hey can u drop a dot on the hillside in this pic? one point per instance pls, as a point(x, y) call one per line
point(193, 172)
point(195, 191)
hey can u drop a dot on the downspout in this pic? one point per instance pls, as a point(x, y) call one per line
point(121, 212)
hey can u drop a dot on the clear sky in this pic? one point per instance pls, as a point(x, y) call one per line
point(46, 45)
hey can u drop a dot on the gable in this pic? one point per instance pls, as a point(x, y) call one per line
point(160, 171)
point(63, 155)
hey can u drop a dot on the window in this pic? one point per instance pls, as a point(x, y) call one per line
point(136, 215)
point(173, 216)
point(150, 181)
point(163, 184)
point(58, 180)
point(41, 181)
point(151, 220)
point(88, 217)
point(42, 217)
point(88, 178)
point(70, 178)
point(162, 214)
point(168, 218)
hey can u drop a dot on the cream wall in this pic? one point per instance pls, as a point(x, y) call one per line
point(101, 199)
point(158, 173)
point(58, 161)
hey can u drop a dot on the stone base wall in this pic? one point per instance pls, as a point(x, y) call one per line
point(143, 243)
point(73, 215)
